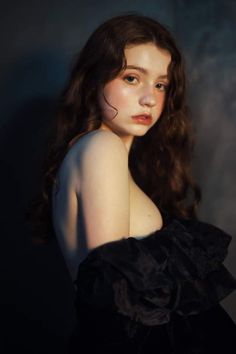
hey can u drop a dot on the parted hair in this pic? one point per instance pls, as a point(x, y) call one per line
point(161, 160)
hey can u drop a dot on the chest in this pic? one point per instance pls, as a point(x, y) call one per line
point(145, 217)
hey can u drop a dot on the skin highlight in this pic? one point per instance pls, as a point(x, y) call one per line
point(139, 88)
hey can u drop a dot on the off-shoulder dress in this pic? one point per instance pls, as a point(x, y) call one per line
point(157, 294)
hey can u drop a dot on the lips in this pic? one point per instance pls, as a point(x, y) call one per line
point(143, 118)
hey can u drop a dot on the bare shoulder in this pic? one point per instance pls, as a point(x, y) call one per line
point(90, 150)
point(104, 188)
point(93, 193)
point(97, 142)
point(94, 148)
point(102, 153)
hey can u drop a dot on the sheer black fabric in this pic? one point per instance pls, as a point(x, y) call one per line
point(159, 294)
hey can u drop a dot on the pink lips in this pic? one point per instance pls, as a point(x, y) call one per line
point(145, 119)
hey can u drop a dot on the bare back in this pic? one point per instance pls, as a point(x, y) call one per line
point(98, 200)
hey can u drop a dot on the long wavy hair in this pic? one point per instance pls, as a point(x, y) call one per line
point(160, 161)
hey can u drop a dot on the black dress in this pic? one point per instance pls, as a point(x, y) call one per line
point(159, 294)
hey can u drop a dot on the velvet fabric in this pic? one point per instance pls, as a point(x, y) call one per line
point(157, 294)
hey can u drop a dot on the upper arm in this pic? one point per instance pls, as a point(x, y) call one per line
point(104, 189)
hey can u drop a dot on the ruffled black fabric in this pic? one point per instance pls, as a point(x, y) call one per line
point(177, 269)
point(172, 273)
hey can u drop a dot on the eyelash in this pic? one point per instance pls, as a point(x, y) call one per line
point(164, 86)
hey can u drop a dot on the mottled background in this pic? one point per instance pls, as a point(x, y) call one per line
point(39, 40)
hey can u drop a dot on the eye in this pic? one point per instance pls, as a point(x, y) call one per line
point(130, 79)
point(161, 87)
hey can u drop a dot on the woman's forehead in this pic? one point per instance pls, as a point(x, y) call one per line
point(147, 58)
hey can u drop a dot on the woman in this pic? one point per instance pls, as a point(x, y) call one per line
point(148, 274)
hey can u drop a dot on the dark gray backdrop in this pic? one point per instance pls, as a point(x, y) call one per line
point(39, 40)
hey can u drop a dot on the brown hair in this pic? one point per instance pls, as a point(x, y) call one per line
point(165, 177)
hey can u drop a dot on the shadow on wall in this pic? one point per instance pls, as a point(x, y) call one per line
point(21, 143)
point(37, 296)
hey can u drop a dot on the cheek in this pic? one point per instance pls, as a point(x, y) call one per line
point(117, 95)
point(161, 99)
point(116, 100)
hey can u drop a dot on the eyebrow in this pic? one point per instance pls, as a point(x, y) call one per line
point(144, 71)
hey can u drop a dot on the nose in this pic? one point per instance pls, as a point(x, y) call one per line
point(148, 98)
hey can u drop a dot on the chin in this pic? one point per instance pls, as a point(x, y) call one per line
point(141, 132)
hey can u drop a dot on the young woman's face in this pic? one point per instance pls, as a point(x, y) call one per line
point(138, 90)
